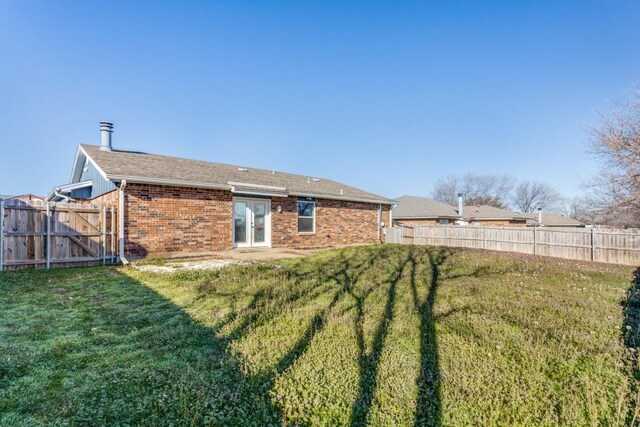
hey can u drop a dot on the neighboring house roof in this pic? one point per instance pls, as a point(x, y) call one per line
point(551, 219)
point(118, 165)
point(485, 212)
point(421, 207)
point(28, 196)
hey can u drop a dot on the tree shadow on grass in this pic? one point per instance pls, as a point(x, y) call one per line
point(110, 350)
point(428, 408)
point(369, 363)
point(120, 352)
point(631, 337)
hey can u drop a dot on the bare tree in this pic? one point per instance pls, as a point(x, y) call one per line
point(615, 143)
point(446, 190)
point(529, 196)
point(582, 209)
point(493, 190)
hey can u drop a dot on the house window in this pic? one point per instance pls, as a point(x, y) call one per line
point(306, 216)
point(443, 222)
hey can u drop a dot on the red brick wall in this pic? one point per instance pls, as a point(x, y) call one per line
point(162, 219)
point(337, 223)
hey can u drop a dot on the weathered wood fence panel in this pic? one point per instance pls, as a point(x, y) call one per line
point(44, 235)
point(589, 244)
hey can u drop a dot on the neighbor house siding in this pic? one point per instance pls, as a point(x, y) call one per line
point(337, 223)
point(161, 220)
point(100, 184)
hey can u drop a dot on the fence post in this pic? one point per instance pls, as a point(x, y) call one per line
point(48, 239)
point(113, 236)
point(444, 235)
point(104, 235)
point(593, 244)
point(484, 237)
point(1, 235)
point(534, 240)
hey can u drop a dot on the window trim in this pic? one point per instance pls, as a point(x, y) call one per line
point(313, 231)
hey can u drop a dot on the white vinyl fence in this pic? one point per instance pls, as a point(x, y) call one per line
point(588, 244)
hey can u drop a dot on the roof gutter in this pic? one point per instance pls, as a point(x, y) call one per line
point(167, 182)
point(345, 198)
point(62, 196)
point(181, 183)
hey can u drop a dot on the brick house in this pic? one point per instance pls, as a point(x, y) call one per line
point(413, 210)
point(169, 205)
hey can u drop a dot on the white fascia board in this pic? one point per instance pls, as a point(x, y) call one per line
point(167, 182)
point(76, 185)
point(256, 186)
point(258, 193)
point(345, 198)
point(98, 168)
point(77, 166)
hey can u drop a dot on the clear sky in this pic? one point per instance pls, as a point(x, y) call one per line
point(383, 96)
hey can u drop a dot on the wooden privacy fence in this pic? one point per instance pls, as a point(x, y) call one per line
point(588, 244)
point(46, 235)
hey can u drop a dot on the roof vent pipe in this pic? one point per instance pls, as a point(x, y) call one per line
point(460, 204)
point(540, 215)
point(106, 129)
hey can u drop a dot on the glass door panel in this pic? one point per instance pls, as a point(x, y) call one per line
point(259, 221)
point(240, 222)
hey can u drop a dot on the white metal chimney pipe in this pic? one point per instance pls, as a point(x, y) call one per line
point(460, 204)
point(540, 215)
point(106, 129)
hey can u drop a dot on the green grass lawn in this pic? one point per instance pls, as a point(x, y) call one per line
point(377, 335)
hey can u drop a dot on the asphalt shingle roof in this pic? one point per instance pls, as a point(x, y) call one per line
point(421, 207)
point(490, 212)
point(552, 219)
point(152, 166)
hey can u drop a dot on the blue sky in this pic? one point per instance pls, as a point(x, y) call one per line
point(386, 96)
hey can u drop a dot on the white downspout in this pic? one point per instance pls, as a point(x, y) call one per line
point(123, 185)
point(57, 194)
point(379, 221)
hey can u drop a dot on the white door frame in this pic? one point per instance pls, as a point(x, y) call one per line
point(250, 223)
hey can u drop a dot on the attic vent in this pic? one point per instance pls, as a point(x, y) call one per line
point(243, 169)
